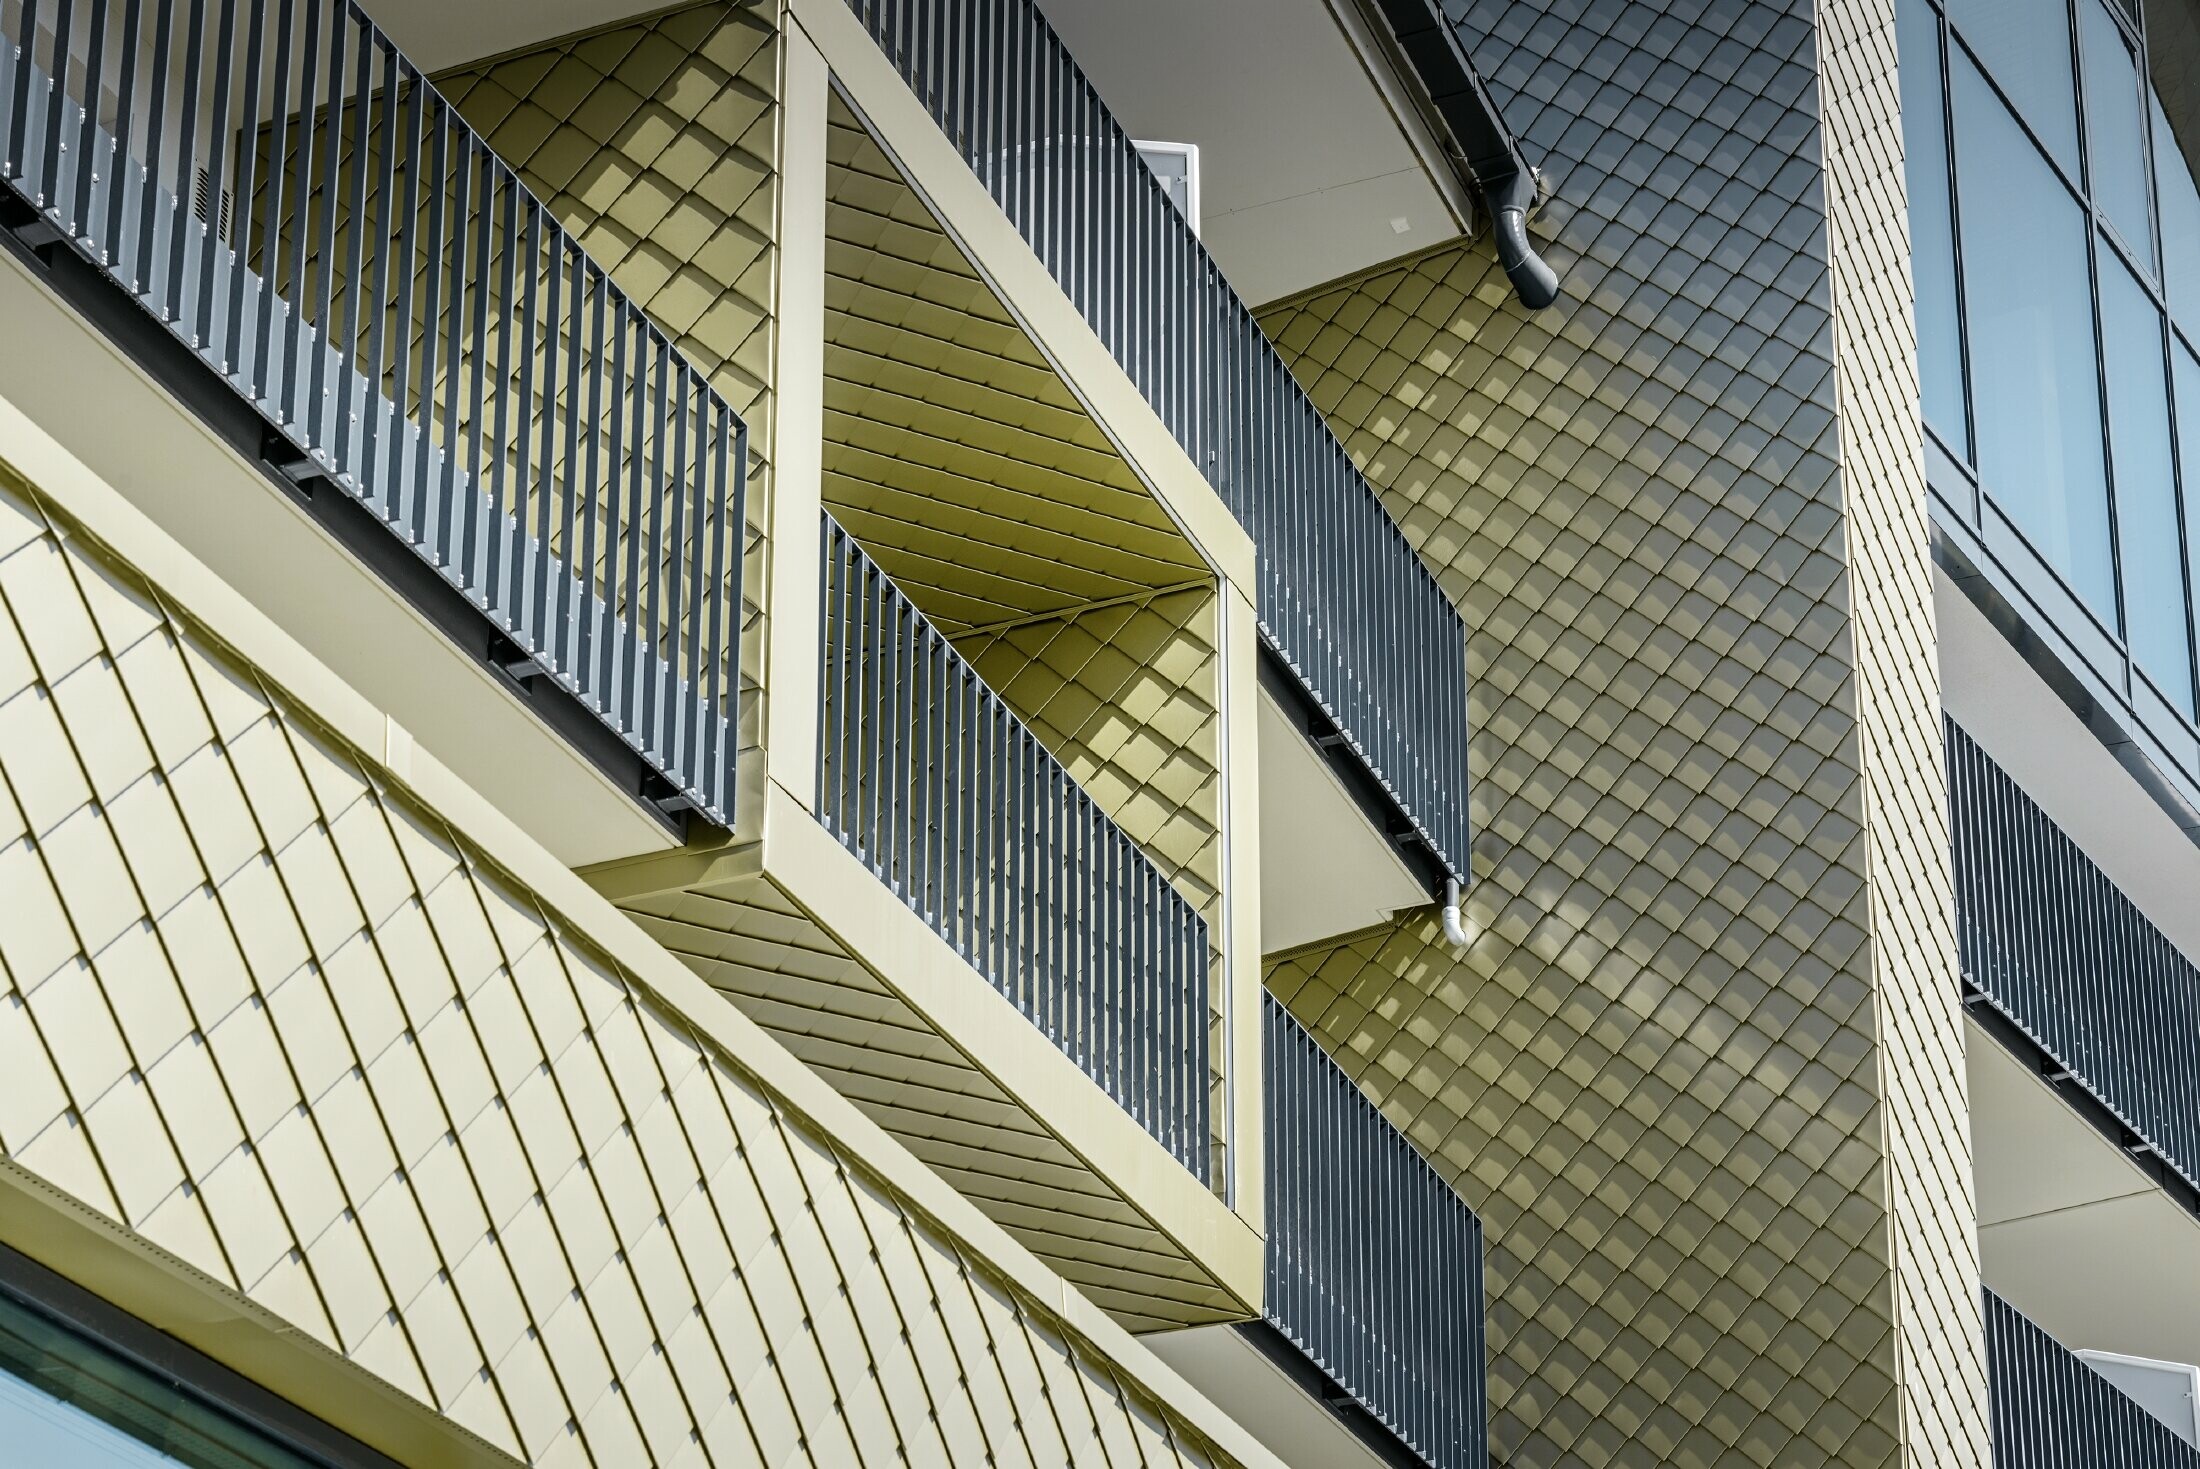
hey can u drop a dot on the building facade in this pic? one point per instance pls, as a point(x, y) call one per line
point(1256, 732)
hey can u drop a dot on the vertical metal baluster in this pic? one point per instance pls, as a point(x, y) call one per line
point(265, 388)
point(629, 693)
point(507, 453)
point(556, 394)
point(878, 813)
point(87, 125)
point(698, 523)
point(539, 410)
point(299, 207)
point(413, 485)
point(19, 100)
point(516, 354)
point(592, 503)
point(332, 136)
point(449, 514)
point(156, 116)
point(372, 301)
point(667, 569)
point(559, 639)
point(484, 492)
point(52, 190)
point(653, 582)
point(400, 492)
point(617, 456)
point(118, 172)
point(241, 278)
point(173, 303)
point(225, 46)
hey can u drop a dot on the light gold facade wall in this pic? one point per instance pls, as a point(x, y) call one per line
point(1682, 1066)
point(479, 1173)
point(1942, 1349)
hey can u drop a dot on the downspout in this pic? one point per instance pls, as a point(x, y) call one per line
point(1533, 280)
point(1482, 146)
point(1455, 931)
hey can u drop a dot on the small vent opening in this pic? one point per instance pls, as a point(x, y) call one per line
point(202, 204)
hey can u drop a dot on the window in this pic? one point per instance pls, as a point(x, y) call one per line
point(2115, 131)
point(2027, 301)
point(2180, 205)
point(1932, 230)
point(2016, 41)
point(2148, 534)
point(66, 1400)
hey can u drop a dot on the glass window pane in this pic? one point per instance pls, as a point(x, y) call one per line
point(2025, 45)
point(1932, 233)
point(2028, 302)
point(2149, 541)
point(2188, 419)
point(2180, 205)
point(65, 1399)
point(2115, 135)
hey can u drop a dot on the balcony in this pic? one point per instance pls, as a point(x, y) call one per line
point(2071, 973)
point(930, 780)
point(1365, 646)
point(1371, 1347)
point(2050, 1409)
point(282, 222)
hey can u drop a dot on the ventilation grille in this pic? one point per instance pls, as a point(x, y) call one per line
point(202, 204)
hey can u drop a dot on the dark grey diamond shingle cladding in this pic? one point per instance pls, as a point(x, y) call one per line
point(1700, 1068)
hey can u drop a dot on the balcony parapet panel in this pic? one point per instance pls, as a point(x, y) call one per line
point(1374, 1263)
point(2049, 1409)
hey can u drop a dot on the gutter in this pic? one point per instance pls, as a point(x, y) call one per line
point(1486, 149)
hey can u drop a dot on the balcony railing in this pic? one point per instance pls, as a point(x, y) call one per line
point(2049, 942)
point(285, 192)
point(926, 776)
point(2051, 1411)
point(1344, 600)
point(1374, 1263)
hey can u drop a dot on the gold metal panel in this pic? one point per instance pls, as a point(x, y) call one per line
point(274, 1026)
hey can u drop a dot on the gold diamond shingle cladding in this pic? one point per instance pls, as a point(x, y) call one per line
point(272, 1024)
point(1700, 1066)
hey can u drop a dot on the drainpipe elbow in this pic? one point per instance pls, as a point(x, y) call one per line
point(1455, 931)
point(1533, 280)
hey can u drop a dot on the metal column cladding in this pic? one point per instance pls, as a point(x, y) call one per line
point(314, 220)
